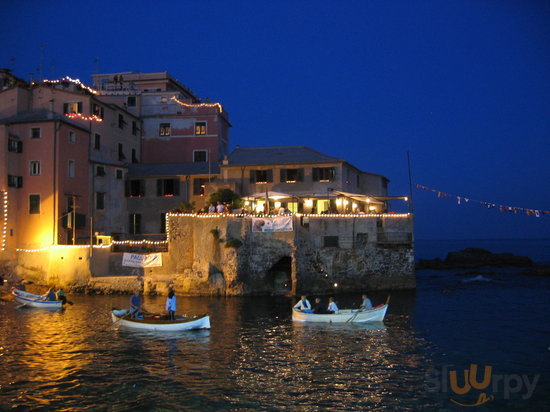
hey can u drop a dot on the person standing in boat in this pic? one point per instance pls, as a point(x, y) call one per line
point(303, 305)
point(171, 305)
point(367, 304)
point(332, 308)
point(135, 304)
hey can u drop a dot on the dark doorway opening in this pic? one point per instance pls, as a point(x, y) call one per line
point(280, 276)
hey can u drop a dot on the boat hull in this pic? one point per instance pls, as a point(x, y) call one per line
point(35, 301)
point(343, 316)
point(162, 325)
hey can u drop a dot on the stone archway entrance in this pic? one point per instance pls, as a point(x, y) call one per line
point(279, 276)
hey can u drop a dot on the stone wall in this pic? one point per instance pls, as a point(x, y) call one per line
point(220, 255)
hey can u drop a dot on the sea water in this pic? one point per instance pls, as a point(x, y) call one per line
point(255, 357)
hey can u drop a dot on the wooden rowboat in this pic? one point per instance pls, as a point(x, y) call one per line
point(156, 323)
point(343, 316)
point(35, 301)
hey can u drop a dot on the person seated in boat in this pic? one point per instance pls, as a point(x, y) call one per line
point(303, 305)
point(366, 304)
point(135, 304)
point(50, 295)
point(318, 307)
point(171, 305)
point(61, 296)
point(332, 308)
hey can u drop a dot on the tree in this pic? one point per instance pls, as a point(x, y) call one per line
point(184, 207)
point(227, 196)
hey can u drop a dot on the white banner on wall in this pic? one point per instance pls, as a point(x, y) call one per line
point(272, 224)
point(136, 260)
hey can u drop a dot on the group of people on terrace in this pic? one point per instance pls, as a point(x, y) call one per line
point(319, 307)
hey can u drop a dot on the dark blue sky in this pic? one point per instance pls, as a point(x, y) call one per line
point(464, 86)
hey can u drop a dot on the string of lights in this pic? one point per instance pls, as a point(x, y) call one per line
point(194, 105)
point(70, 80)
point(80, 116)
point(5, 223)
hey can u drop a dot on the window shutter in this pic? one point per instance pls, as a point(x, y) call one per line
point(19, 181)
point(127, 188)
point(283, 175)
point(332, 174)
point(176, 187)
point(65, 108)
point(159, 187)
point(19, 146)
point(252, 176)
point(79, 107)
point(315, 174)
point(141, 187)
point(270, 175)
point(300, 175)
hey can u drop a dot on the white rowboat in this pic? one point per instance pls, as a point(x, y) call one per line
point(35, 301)
point(119, 317)
point(343, 316)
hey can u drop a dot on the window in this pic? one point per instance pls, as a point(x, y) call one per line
point(261, 176)
point(100, 200)
point(100, 171)
point(200, 156)
point(121, 121)
point(134, 157)
point(35, 168)
point(119, 174)
point(168, 187)
point(135, 223)
point(71, 169)
point(135, 188)
point(330, 241)
point(35, 133)
point(121, 152)
point(15, 181)
point(292, 175)
point(72, 107)
point(134, 127)
point(131, 102)
point(324, 174)
point(163, 223)
point(200, 128)
point(97, 141)
point(34, 204)
point(164, 129)
point(163, 99)
point(72, 137)
point(198, 186)
point(97, 110)
point(15, 145)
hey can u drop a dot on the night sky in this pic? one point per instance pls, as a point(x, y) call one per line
point(463, 86)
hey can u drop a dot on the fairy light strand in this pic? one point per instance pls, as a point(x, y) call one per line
point(197, 105)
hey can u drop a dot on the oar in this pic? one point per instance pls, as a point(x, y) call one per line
point(20, 306)
point(354, 316)
point(388, 299)
point(120, 318)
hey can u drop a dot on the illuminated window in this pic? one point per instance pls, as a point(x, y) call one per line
point(199, 186)
point(35, 133)
point(164, 129)
point(168, 187)
point(35, 168)
point(200, 128)
point(71, 169)
point(34, 204)
point(261, 176)
point(72, 107)
point(163, 99)
point(200, 156)
point(292, 175)
point(97, 110)
point(324, 174)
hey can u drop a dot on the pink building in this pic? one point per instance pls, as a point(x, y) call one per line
point(177, 126)
point(63, 166)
